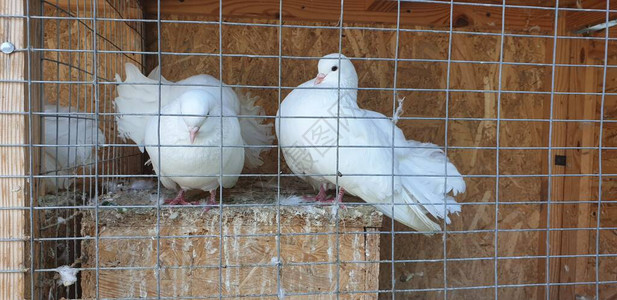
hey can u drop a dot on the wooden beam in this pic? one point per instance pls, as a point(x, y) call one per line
point(13, 160)
point(355, 11)
point(381, 5)
point(559, 137)
point(578, 161)
point(577, 20)
point(131, 11)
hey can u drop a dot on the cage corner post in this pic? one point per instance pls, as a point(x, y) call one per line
point(18, 131)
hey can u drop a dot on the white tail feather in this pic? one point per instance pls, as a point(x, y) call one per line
point(255, 131)
point(156, 73)
point(429, 184)
point(413, 216)
point(67, 128)
point(138, 94)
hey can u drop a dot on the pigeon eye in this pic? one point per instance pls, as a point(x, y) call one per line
point(334, 68)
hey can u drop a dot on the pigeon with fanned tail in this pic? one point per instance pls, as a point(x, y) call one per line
point(71, 136)
point(325, 135)
point(192, 115)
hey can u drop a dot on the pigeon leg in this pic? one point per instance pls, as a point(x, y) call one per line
point(179, 200)
point(211, 200)
point(338, 199)
point(320, 197)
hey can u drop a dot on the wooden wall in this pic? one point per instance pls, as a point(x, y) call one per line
point(522, 198)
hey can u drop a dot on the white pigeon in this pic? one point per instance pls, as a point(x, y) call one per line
point(307, 127)
point(78, 131)
point(194, 121)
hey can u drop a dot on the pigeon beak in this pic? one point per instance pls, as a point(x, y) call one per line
point(320, 77)
point(193, 133)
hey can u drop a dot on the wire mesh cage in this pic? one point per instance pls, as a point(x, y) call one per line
point(518, 95)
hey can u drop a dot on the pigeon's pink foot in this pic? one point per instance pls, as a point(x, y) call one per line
point(320, 197)
point(339, 198)
point(211, 201)
point(179, 200)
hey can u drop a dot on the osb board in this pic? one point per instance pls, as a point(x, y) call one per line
point(127, 238)
point(71, 69)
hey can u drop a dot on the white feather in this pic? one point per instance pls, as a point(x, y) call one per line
point(364, 148)
point(196, 166)
point(254, 131)
point(61, 128)
point(139, 94)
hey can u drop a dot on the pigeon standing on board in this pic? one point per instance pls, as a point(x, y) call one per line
point(72, 136)
point(191, 129)
point(307, 125)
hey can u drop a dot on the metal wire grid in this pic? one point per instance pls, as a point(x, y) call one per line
point(109, 150)
point(76, 29)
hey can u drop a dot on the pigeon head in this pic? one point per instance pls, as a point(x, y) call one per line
point(195, 107)
point(333, 65)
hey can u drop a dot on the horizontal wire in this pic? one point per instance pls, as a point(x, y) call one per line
point(83, 176)
point(323, 88)
point(319, 263)
point(316, 58)
point(312, 234)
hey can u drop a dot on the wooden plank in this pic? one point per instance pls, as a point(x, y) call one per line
point(577, 20)
point(371, 254)
point(412, 14)
point(129, 10)
point(559, 136)
point(573, 134)
point(13, 160)
point(381, 5)
point(579, 215)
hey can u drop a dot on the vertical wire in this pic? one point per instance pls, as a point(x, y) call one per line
point(57, 179)
point(600, 137)
point(41, 131)
point(279, 267)
point(497, 137)
point(337, 204)
point(79, 73)
point(158, 147)
point(30, 148)
point(548, 161)
point(56, 172)
point(394, 101)
point(91, 184)
point(113, 151)
point(75, 166)
point(220, 23)
point(447, 120)
point(96, 145)
point(106, 180)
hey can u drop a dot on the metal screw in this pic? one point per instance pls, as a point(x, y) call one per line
point(7, 47)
